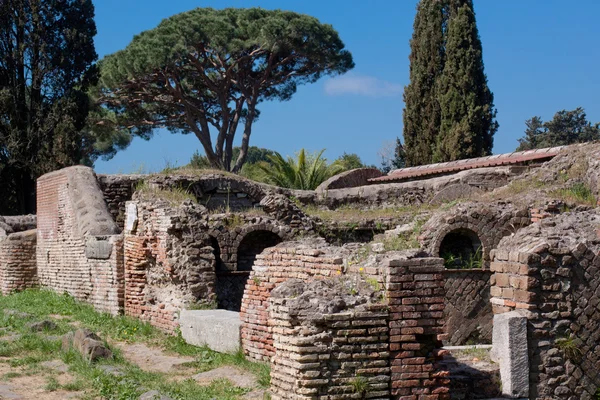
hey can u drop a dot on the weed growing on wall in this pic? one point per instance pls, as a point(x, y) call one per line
point(570, 346)
point(359, 384)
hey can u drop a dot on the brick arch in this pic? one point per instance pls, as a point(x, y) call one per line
point(230, 281)
point(490, 222)
point(466, 227)
point(283, 231)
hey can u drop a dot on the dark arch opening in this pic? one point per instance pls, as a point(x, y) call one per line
point(252, 245)
point(462, 249)
point(214, 243)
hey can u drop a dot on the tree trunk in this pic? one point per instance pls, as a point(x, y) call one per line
point(246, 137)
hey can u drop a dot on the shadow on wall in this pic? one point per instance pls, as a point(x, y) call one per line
point(230, 284)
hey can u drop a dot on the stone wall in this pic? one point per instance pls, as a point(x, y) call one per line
point(325, 349)
point(78, 250)
point(553, 278)
point(16, 223)
point(18, 270)
point(169, 264)
point(348, 179)
point(468, 314)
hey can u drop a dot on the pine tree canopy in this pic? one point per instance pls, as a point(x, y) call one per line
point(566, 127)
point(208, 69)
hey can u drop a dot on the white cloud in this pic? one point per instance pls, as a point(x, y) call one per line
point(361, 85)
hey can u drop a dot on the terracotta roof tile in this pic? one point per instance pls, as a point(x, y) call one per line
point(472, 163)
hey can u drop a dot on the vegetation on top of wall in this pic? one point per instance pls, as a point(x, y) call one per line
point(566, 127)
point(350, 213)
point(174, 196)
point(578, 193)
point(306, 172)
point(405, 240)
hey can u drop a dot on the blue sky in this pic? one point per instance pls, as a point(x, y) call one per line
point(540, 56)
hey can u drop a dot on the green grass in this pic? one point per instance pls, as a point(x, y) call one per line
point(30, 349)
point(472, 261)
point(578, 193)
point(570, 346)
point(406, 240)
point(473, 352)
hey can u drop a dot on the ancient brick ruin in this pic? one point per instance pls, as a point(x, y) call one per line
point(335, 318)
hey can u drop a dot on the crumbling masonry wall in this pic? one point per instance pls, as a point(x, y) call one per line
point(169, 264)
point(18, 270)
point(341, 354)
point(79, 250)
point(554, 279)
point(290, 260)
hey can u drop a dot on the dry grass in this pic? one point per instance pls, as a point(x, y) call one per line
point(355, 214)
point(174, 196)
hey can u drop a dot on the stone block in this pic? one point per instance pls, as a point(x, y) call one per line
point(217, 329)
point(131, 217)
point(98, 249)
point(87, 343)
point(509, 350)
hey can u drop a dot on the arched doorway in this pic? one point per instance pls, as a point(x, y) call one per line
point(253, 244)
point(214, 243)
point(231, 282)
point(462, 249)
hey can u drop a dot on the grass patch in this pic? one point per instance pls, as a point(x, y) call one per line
point(174, 196)
point(355, 214)
point(474, 352)
point(472, 261)
point(28, 350)
point(570, 346)
point(359, 384)
point(406, 240)
point(578, 193)
point(519, 186)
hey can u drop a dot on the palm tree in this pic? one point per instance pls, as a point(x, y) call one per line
point(306, 172)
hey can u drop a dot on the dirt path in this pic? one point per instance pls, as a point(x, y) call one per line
point(152, 359)
point(33, 387)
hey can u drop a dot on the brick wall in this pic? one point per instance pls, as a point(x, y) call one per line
point(117, 190)
point(332, 355)
point(415, 289)
point(468, 313)
point(18, 269)
point(67, 256)
point(168, 262)
point(274, 266)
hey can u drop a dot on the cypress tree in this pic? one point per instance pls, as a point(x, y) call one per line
point(467, 105)
point(449, 110)
point(422, 111)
